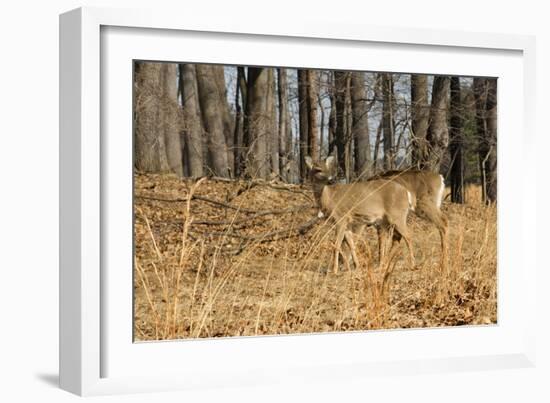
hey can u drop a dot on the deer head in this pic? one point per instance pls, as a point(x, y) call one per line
point(322, 171)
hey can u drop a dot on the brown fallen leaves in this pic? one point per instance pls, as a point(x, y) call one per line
point(255, 261)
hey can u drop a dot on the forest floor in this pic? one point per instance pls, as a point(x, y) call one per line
point(258, 262)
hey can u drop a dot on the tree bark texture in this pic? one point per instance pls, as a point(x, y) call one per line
point(273, 128)
point(258, 123)
point(150, 147)
point(341, 89)
point(491, 139)
point(388, 125)
point(193, 131)
point(420, 118)
point(238, 130)
point(227, 116)
point(438, 130)
point(312, 125)
point(171, 117)
point(456, 143)
point(360, 126)
point(212, 117)
point(485, 93)
point(303, 120)
point(285, 132)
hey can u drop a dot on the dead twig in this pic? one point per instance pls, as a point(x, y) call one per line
point(255, 213)
point(275, 186)
point(268, 236)
point(197, 197)
point(248, 219)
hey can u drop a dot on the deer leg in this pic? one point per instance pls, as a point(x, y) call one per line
point(340, 232)
point(349, 239)
point(402, 232)
point(433, 214)
point(408, 242)
point(383, 232)
point(385, 266)
point(444, 235)
point(381, 242)
point(396, 237)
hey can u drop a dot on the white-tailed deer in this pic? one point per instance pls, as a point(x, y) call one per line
point(427, 189)
point(382, 203)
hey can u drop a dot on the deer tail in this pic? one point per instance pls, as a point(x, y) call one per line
point(441, 191)
point(412, 202)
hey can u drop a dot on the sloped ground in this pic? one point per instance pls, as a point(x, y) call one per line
point(242, 267)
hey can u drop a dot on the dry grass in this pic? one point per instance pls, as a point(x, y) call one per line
point(190, 282)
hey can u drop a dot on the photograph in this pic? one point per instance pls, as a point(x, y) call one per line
point(273, 200)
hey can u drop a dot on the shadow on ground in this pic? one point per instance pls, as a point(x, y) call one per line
point(49, 379)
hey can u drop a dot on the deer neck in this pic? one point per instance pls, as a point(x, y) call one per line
point(318, 191)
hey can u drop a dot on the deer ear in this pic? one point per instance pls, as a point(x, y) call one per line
point(309, 161)
point(329, 162)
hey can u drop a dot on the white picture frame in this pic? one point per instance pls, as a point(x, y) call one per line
point(96, 355)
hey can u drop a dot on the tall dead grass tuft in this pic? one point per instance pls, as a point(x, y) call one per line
point(188, 284)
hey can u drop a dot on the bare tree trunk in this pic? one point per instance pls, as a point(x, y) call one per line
point(485, 92)
point(480, 94)
point(491, 139)
point(377, 145)
point(192, 125)
point(331, 117)
point(303, 119)
point(456, 145)
point(322, 124)
point(348, 129)
point(150, 147)
point(388, 127)
point(171, 118)
point(238, 131)
point(360, 127)
point(258, 123)
point(312, 125)
point(341, 89)
point(227, 116)
point(438, 131)
point(420, 118)
point(212, 117)
point(182, 134)
point(285, 134)
point(245, 143)
point(273, 129)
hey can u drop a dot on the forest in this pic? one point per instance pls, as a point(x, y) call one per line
point(229, 235)
point(198, 120)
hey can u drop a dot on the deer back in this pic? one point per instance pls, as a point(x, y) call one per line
point(424, 185)
point(369, 202)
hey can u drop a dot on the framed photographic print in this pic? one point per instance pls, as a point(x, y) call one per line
point(255, 203)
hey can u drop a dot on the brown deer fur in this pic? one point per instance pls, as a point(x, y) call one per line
point(381, 203)
point(427, 189)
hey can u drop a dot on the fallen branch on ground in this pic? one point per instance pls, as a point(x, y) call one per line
point(276, 186)
point(256, 213)
point(252, 217)
point(197, 197)
point(267, 236)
